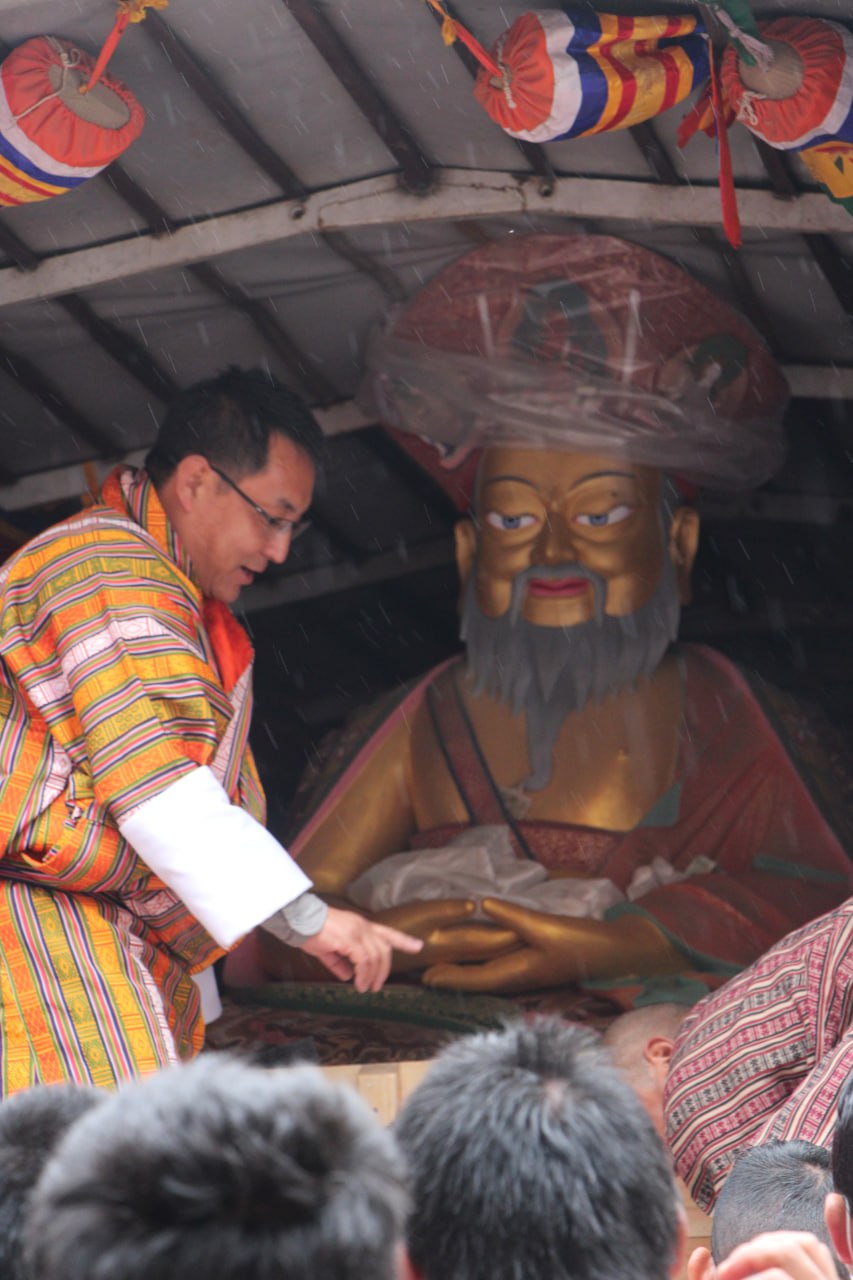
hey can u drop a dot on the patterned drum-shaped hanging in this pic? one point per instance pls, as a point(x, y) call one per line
point(52, 137)
point(805, 97)
point(568, 73)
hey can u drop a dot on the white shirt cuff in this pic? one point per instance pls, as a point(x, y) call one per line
point(223, 865)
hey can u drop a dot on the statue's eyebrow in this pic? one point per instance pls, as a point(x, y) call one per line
point(600, 475)
point(593, 475)
point(514, 479)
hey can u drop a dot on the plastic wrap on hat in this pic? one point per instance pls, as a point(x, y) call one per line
point(580, 342)
point(46, 148)
point(821, 108)
point(570, 72)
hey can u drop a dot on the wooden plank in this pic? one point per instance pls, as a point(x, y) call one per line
point(383, 1085)
point(460, 194)
point(416, 173)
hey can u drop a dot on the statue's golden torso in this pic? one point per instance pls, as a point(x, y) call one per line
point(611, 763)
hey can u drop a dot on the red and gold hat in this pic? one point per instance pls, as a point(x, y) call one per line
point(586, 343)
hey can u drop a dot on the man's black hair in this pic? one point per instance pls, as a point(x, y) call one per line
point(842, 1142)
point(31, 1125)
point(222, 1170)
point(779, 1186)
point(229, 420)
point(532, 1159)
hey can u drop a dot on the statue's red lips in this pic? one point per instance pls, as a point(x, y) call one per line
point(562, 587)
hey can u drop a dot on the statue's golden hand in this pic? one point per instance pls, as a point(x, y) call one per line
point(558, 950)
point(449, 934)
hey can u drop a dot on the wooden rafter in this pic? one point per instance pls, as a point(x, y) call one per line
point(302, 366)
point(125, 350)
point(836, 270)
point(235, 124)
point(461, 193)
point(203, 83)
point(34, 381)
point(117, 344)
point(24, 258)
point(366, 263)
point(660, 163)
point(415, 167)
point(156, 219)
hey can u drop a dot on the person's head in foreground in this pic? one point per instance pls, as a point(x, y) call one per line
point(223, 1171)
point(838, 1203)
point(530, 1159)
point(640, 1045)
point(31, 1125)
point(775, 1187)
point(234, 465)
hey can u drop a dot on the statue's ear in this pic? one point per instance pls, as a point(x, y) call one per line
point(683, 545)
point(466, 546)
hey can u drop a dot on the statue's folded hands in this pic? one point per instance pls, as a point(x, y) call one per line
point(560, 949)
point(449, 934)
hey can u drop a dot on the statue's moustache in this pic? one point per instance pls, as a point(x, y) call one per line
point(550, 573)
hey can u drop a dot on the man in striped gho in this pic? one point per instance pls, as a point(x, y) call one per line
point(132, 847)
point(762, 1058)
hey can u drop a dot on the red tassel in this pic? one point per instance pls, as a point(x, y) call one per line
point(699, 117)
point(109, 48)
point(728, 199)
point(470, 41)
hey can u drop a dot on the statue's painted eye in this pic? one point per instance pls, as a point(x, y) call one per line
point(601, 520)
point(509, 524)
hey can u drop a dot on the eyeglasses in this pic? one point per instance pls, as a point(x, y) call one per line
point(275, 524)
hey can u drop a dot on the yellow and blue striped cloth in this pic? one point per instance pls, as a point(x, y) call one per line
point(568, 73)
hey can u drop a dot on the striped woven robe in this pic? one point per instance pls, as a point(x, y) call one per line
point(763, 1058)
point(116, 679)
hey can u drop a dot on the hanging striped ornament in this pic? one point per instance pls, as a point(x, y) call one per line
point(804, 98)
point(53, 137)
point(567, 73)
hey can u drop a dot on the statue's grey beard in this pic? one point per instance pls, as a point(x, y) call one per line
point(548, 672)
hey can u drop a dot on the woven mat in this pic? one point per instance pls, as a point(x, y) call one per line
point(334, 1025)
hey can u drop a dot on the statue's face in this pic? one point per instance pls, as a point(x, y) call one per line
point(549, 507)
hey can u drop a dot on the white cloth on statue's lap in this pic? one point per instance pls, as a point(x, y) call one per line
point(478, 863)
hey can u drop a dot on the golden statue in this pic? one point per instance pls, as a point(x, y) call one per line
point(576, 746)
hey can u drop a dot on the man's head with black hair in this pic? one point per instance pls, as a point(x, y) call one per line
point(839, 1203)
point(779, 1186)
point(229, 420)
point(234, 466)
point(31, 1124)
point(225, 1171)
point(531, 1159)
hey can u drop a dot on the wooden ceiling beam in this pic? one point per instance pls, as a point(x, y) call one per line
point(235, 124)
point(35, 383)
point(836, 269)
point(388, 282)
point(214, 98)
point(306, 584)
point(120, 346)
point(138, 199)
point(460, 194)
point(416, 173)
point(23, 257)
point(302, 366)
point(661, 166)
